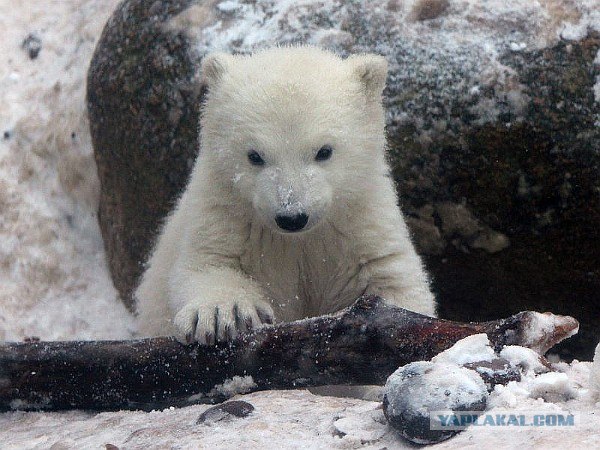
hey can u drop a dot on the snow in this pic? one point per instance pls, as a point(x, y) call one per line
point(589, 21)
point(229, 6)
point(537, 379)
point(517, 46)
point(541, 324)
point(475, 348)
point(235, 385)
point(525, 358)
point(296, 419)
point(595, 374)
point(517, 24)
point(53, 273)
point(553, 387)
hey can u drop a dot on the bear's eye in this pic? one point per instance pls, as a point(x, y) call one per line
point(324, 153)
point(255, 159)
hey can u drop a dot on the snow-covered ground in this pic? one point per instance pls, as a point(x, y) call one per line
point(55, 283)
point(54, 278)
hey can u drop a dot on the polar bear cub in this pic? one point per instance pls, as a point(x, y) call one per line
point(290, 210)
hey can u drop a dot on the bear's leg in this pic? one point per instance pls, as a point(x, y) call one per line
point(215, 303)
point(401, 280)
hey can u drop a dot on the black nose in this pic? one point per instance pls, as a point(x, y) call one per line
point(293, 222)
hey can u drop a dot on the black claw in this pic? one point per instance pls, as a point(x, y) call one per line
point(210, 338)
point(189, 338)
point(217, 323)
point(240, 324)
point(230, 333)
point(216, 329)
point(264, 316)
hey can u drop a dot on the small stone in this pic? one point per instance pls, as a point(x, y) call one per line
point(418, 388)
point(226, 411)
point(32, 44)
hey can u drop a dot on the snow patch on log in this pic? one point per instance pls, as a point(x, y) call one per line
point(233, 386)
point(19, 404)
point(525, 358)
point(566, 383)
point(475, 348)
point(544, 324)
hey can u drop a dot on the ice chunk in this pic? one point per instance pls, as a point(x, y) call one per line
point(471, 349)
point(527, 359)
point(552, 387)
point(595, 373)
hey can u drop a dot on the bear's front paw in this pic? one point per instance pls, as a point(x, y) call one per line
point(208, 323)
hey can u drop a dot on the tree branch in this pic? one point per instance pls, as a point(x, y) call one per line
point(362, 344)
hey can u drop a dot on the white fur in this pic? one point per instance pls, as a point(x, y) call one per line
point(221, 264)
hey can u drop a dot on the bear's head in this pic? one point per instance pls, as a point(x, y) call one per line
point(295, 134)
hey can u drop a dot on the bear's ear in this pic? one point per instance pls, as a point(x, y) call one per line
point(214, 66)
point(371, 70)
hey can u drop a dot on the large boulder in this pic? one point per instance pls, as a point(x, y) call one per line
point(143, 108)
point(493, 126)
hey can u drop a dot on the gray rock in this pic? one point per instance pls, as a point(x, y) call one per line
point(492, 124)
point(143, 104)
point(32, 44)
point(225, 412)
point(420, 388)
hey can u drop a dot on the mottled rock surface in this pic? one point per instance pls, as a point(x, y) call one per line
point(143, 105)
point(493, 125)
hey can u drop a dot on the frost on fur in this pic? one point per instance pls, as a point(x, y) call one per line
point(289, 212)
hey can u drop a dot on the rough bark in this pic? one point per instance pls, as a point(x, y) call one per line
point(363, 344)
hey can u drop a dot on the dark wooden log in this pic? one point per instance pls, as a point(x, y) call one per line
point(362, 344)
